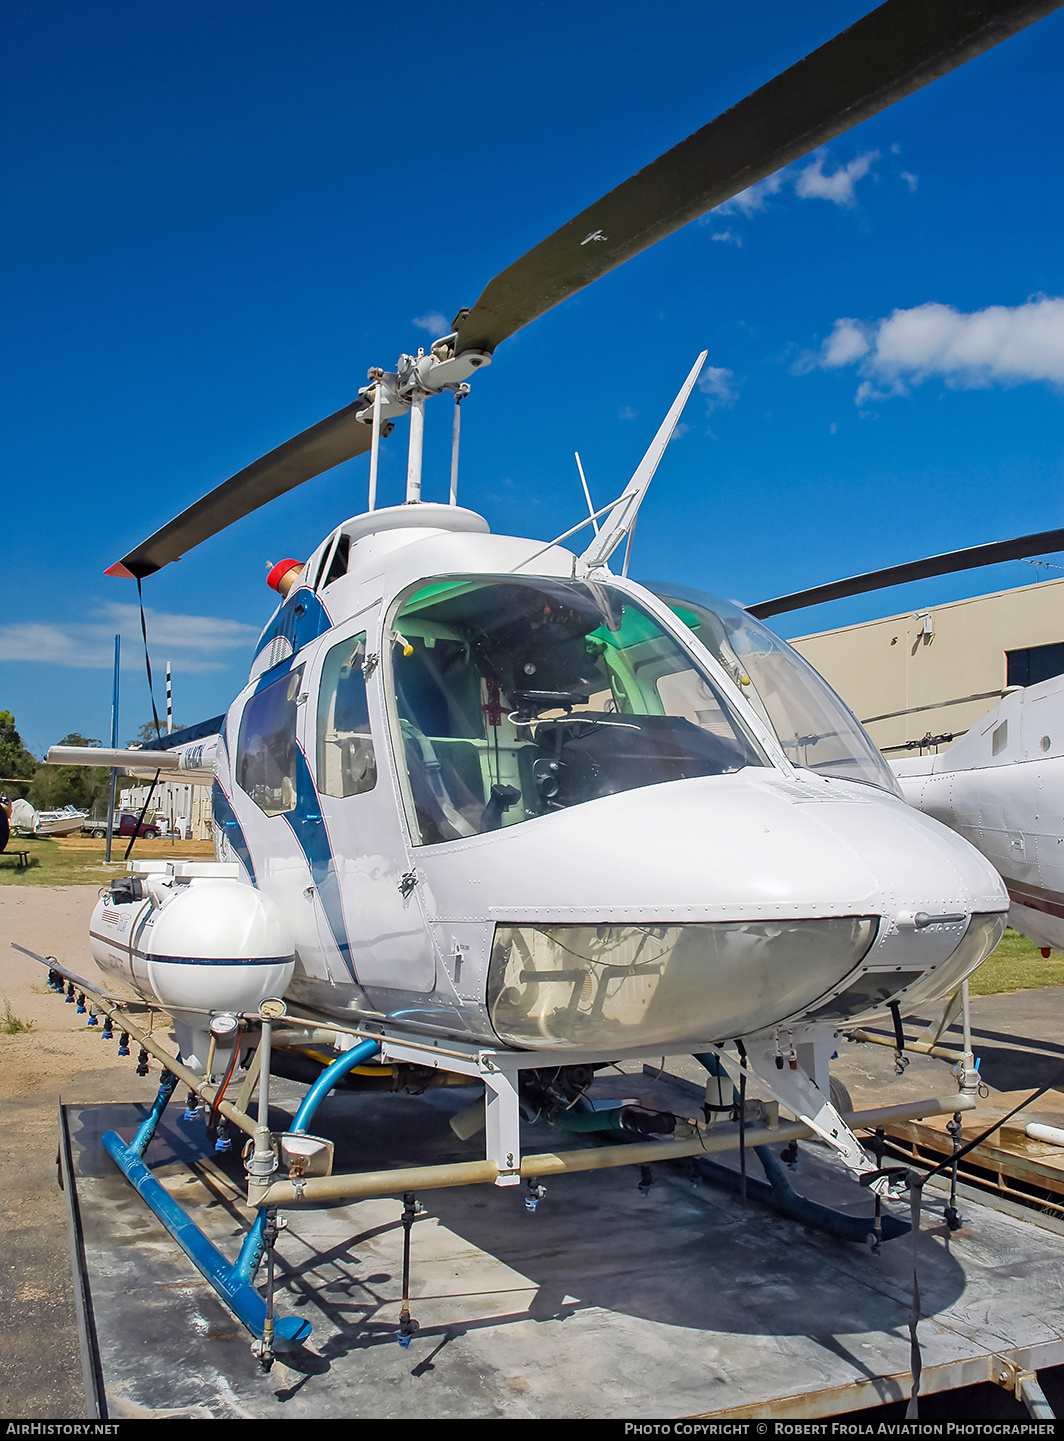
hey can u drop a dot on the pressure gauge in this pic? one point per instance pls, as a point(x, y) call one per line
point(272, 1009)
point(224, 1026)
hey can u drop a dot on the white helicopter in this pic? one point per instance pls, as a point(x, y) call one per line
point(1001, 785)
point(487, 807)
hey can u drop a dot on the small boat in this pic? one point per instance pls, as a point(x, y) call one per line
point(63, 822)
point(23, 817)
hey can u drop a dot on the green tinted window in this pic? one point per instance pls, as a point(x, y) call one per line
point(517, 697)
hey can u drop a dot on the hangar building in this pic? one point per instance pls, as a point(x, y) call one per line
point(935, 672)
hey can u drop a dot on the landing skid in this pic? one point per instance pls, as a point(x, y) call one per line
point(294, 1169)
point(604, 1304)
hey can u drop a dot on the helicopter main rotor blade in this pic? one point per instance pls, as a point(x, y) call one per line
point(897, 49)
point(333, 440)
point(954, 560)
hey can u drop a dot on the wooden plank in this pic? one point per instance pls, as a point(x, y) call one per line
point(1006, 1157)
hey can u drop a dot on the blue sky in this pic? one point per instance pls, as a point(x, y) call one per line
point(220, 215)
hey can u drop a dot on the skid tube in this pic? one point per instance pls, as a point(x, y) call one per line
point(233, 1281)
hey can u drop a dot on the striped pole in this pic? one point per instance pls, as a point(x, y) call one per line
point(114, 744)
point(169, 702)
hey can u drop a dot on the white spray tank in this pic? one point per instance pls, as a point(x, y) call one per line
point(195, 938)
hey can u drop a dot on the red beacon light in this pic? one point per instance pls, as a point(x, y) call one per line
point(283, 576)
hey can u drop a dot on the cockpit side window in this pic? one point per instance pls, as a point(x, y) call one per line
point(517, 697)
point(326, 552)
point(346, 762)
point(266, 745)
point(338, 564)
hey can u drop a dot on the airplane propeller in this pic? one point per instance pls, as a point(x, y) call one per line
point(897, 49)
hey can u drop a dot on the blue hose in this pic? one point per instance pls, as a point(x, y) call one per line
point(781, 1195)
point(356, 1056)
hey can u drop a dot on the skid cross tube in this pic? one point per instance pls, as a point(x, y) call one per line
point(328, 1189)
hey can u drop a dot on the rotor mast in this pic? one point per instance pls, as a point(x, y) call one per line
point(391, 394)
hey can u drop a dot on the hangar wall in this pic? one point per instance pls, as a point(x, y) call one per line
point(937, 671)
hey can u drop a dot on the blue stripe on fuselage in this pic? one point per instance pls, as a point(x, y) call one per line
point(309, 829)
point(225, 816)
point(300, 620)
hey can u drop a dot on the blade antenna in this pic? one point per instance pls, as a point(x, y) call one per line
point(460, 393)
point(375, 447)
point(621, 518)
point(587, 493)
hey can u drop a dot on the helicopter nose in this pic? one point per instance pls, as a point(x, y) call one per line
point(710, 908)
point(722, 847)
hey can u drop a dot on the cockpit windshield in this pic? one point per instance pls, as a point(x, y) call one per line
point(816, 730)
point(517, 697)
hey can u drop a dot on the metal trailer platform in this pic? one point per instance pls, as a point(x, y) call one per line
point(604, 1303)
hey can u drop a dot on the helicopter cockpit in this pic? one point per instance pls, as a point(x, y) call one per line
point(517, 697)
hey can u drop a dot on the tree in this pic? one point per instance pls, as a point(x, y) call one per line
point(81, 786)
point(16, 762)
point(147, 733)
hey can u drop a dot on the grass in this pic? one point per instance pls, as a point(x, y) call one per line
point(10, 1024)
point(1017, 965)
point(78, 860)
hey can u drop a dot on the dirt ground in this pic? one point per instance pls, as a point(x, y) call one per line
point(59, 1058)
point(52, 922)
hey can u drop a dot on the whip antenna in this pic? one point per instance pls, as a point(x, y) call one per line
point(587, 493)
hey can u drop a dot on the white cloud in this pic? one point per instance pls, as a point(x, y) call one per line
point(193, 642)
point(435, 323)
point(728, 237)
point(838, 187)
point(846, 343)
point(754, 199)
point(720, 385)
point(811, 183)
point(911, 180)
point(1001, 345)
